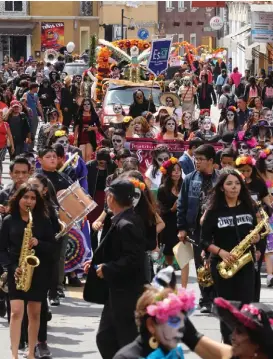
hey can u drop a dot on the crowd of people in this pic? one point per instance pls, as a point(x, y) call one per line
point(211, 195)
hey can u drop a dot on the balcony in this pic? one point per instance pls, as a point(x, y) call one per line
point(13, 8)
point(86, 8)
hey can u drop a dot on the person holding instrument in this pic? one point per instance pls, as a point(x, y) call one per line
point(43, 242)
point(229, 218)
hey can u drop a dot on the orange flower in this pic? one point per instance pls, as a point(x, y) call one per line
point(163, 170)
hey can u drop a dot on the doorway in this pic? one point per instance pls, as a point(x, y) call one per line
point(18, 47)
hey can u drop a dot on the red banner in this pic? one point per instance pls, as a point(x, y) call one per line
point(52, 35)
point(208, 3)
point(142, 147)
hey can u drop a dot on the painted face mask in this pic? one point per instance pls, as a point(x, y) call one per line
point(117, 109)
point(162, 157)
point(170, 126)
point(171, 332)
point(136, 197)
point(63, 75)
point(78, 79)
point(169, 102)
point(269, 163)
point(243, 149)
point(207, 124)
point(117, 142)
point(187, 120)
point(139, 97)
point(230, 116)
point(268, 117)
point(86, 106)
point(64, 142)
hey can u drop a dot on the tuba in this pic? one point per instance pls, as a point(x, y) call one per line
point(227, 271)
point(51, 56)
point(27, 261)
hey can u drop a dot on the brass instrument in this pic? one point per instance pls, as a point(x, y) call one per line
point(229, 270)
point(63, 230)
point(4, 282)
point(27, 261)
point(72, 160)
point(204, 277)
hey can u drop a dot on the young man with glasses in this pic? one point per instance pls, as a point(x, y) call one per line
point(191, 206)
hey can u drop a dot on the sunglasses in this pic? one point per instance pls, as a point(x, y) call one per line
point(160, 159)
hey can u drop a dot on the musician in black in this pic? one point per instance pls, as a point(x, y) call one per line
point(228, 220)
point(11, 241)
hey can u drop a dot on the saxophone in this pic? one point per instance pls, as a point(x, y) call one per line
point(204, 277)
point(27, 261)
point(227, 271)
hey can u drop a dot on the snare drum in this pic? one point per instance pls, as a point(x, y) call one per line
point(75, 204)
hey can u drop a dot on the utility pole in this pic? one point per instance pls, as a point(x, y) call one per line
point(122, 17)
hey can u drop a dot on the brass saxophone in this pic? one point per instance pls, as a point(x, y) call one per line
point(204, 277)
point(229, 270)
point(27, 261)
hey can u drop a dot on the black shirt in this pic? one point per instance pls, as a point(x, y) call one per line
point(60, 181)
point(257, 189)
point(135, 350)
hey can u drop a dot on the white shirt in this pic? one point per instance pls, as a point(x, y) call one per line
point(155, 182)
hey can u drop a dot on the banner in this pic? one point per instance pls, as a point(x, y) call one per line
point(142, 148)
point(262, 26)
point(159, 57)
point(52, 35)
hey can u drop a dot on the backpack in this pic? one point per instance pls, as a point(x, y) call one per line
point(269, 92)
point(231, 101)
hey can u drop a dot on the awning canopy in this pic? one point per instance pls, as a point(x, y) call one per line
point(262, 48)
point(10, 28)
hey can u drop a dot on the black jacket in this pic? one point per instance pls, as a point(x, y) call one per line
point(68, 96)
point(93, 174)
point(47, 96)
point(210, 95)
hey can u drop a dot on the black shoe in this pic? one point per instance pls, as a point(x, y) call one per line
point(22, 345)
point(3, 308)
point(205, 309)
point(49, 315)
point(42, 351)
point(74, 282)
point(55, 302)
point(61, 293)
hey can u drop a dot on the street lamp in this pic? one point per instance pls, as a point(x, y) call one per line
point(131, 25)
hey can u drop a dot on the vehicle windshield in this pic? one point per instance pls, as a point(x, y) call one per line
point(124, 95)
point(75, 69)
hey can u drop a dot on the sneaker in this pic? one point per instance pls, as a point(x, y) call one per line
point(55, 302)
point(42, 351)
point(269, 281)
point(61, 293)
point(74, 282)
point(49, 315)
point(205, 309)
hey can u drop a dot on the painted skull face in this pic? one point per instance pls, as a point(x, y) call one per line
point(162, 157)
point(268, 117)
point(269, 163)
point(118, 142)
point(187, 120)
point(137, 197)
point(86, 106)
point(169, 102)
point(139, 97)
point(230, 116)
point(63, 75)
point(207, 124)
point(78, 79)
point(170, 125)
point(64, 142)
point(117, 109)
point(171, 332)
point(243, 149)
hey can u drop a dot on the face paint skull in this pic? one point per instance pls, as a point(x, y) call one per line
point(243, 149)
point(139, 97)
point(269, 163)
point(170, 126)
point(118, 142)
point(207, 124)
point(117, 109)
point(64, 142)
point(162, 157)
point(187, 120)
point(230, 116)
point(63, 75)
point(169, 102)
point(137, 197)
point(169, 334)
point(78, 79)
point(268, 117)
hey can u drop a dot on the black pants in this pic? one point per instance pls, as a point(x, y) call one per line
point(207, 294)
point(42, 335)
point(67, 117)
point(117, 328)
point(238, 288)
point(258, 266)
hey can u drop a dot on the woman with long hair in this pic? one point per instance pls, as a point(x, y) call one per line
point(253, 119)
point(229, 218)
point(230, 122)
point(169, 130)
point(267, 93)
point(11, 241)
point(252, 90)
point(5, 134)
point(153, 175)
point(9, 96)
point(141, 128)
point(185, 127)
point(87, 125)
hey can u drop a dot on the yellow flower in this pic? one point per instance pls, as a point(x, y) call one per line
point(127, 119)
point(173, 160)
point(60, 133)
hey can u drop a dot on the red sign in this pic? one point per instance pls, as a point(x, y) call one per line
point(208, 3)
point(142, 148)
point(52, 35)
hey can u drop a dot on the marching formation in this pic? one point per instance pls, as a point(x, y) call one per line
point(118, 178)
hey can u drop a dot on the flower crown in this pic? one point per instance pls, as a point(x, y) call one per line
point(167, 164)
point(245, 160)
point(60, 133)
point(255, 312)
point(138, 184)
point(127, 119)
point(181, 301)
point(265, 153)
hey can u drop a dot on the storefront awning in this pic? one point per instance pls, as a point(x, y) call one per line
point(262, 48)
point(10, 28)
point(242, 34)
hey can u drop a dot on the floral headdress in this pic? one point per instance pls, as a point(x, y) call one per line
point(265, 153)
point(247, 137)
point(60, 133)
point(167, 164)
point(127, 119)
point(203, 111)
point(181, 301)
point(231, 108)
point(245, 160)
point(138, 184)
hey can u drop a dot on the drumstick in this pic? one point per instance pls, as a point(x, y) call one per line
point(188, 239)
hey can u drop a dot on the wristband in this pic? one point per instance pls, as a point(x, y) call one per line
point(219, 251)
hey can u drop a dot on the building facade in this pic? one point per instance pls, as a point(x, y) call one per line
point(28, 28)
point(189, 21)
point(137, 14)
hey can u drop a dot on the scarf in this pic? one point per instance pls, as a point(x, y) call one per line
point(176, 353)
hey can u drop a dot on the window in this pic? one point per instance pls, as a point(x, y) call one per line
point(168, 5)
point(181, 5)
point(181, 49)
point(193, 39)
point(13, 5)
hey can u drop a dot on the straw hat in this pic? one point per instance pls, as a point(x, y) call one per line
point(173, 96)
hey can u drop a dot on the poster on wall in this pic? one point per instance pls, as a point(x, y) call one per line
point(262, 26)
point(52, 35)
